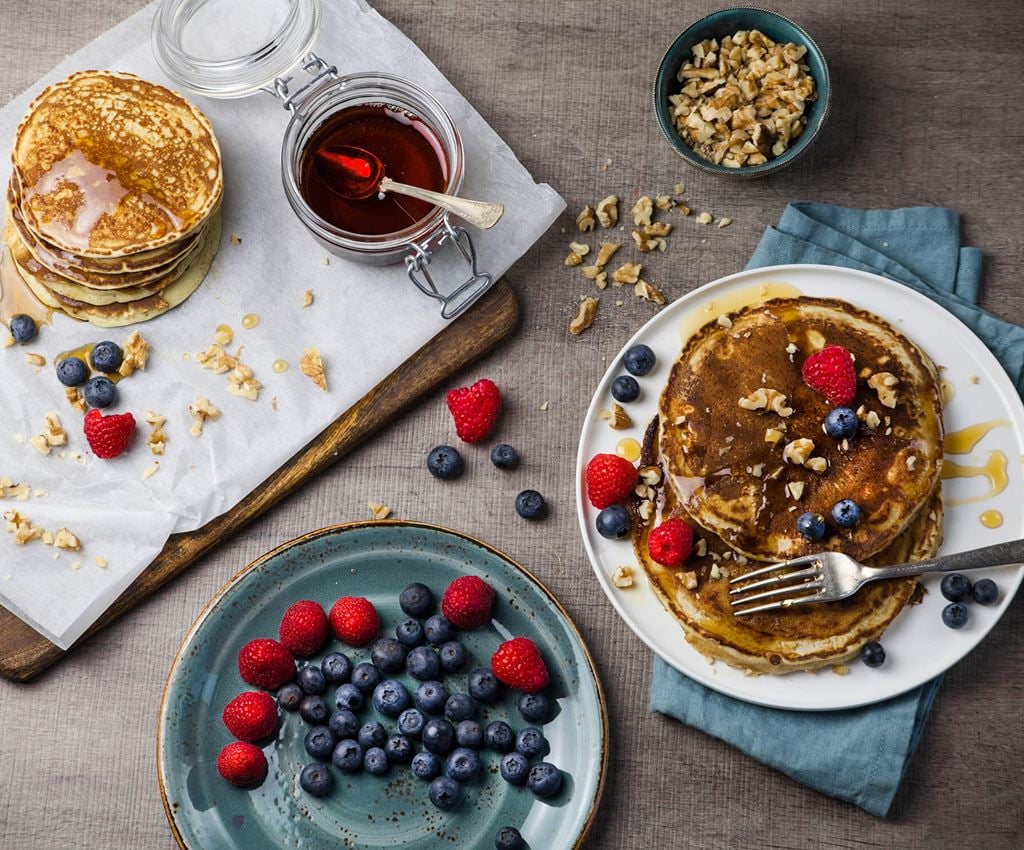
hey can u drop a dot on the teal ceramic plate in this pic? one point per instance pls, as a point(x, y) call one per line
point(376, 560)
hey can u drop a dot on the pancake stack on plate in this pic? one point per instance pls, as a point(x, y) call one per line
point(114, 198)
point(733, 472)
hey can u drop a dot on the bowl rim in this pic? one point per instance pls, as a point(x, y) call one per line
point(805, 140)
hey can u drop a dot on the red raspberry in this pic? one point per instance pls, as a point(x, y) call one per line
point(610, 479)
point(251, 716)
point(475, 410)
point(467, 602)
point(831, 373)
point(518, 664)
point(242, 764)
point(670, 543)
point(354, 620)
point(304, 628)
point(266, 664)
point(108, 436)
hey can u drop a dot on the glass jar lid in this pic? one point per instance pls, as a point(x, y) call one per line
point(232, 48)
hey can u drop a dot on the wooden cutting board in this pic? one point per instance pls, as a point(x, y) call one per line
point(24, 653)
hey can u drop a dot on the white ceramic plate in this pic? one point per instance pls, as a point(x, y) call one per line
point(918, 646)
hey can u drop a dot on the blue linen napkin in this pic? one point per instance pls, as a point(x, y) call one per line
point(858, 755)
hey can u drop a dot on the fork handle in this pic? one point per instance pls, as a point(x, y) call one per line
point(1011, 552)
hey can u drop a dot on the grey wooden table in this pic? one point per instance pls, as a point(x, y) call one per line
point(926, 111)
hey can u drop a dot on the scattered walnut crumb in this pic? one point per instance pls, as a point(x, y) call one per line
point(626, 273)
point(22, 528)
point(75, 399)
point(544, 405)
point(136, 355)
point(773, 436)
point(645, 510)
point(664, 202)
point(100, 561)
point(76, 565)
point(584, 317)
point(379, 511)
point(795, 490)
point(649, 292)
point(64, 539)
point(623, 577)
point(679, 188)
point(705, 218)
point(216, 359)
point(150, 470)
point(725, 221)
point(973, 379)
point(840, 669)
point(39, 443)
point(7, 340)
point(242, 383)
point(911, 462)
point(884, 384)
point(202, 411)
point(617, 418)
point(236, 239)
point(34, 359)
point(586, 221)
point(307, 298)
point(701, 548)
point(606, 164)
point(608, 211)
point(797, 451)
point(605, 253)
point(764, 398)
point(816, 464)
point(223, 335)
point(642, 210)
point(683, 210)
point(325, 260)
point(312, 366)
point(273, 402)
point(687, 579)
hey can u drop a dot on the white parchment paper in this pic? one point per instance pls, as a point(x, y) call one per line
point(365, 320)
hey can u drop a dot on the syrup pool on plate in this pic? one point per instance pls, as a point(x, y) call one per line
point(629, 449)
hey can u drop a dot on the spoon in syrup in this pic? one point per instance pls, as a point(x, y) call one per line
point(354, 174)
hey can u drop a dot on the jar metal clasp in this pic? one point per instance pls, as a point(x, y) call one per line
point(456, 302)
point(318, 69)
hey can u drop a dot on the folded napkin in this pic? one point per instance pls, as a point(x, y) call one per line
point(858, 755)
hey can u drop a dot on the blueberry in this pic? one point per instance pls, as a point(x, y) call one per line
point(375, 761)
point(319, 742)
point(544, 779)
point(956, 587)
point(107, 356)
point(504, 456)
point(317, 779)
point(365, 677)
point(99, 392)
point(416, 600)
point(410, 633)
point(398, 749)
point(639, 360)
point(954, 615)
point(811, 526)
point(531, 505)
point(531, 742)
point(444, 462)
point(289, 696)
point(438, 736)
point(337, 668)
point(841, 423)
point(23, 328)
point(508, 837)
point(514, 767)
point(312, 680)
point(614, 522)
point(872, 654)
point(411, 722)
point(985, 592)
point(423, 663)
point(469, 733)
point(625, 389)
point(453, 656)
point(459, 707)
point(348, 756)
point(535, 708)
point(498, 736)
point(372, 734)
point(430, 697)
point(343, 723)
point(438, 630)
point(390, 698)
point(483, 685)
point(462, 765)
point(846, 513)
point(425, 765)
point(350, 697)
point(445, 793)
point(314, 710)
point(388, 655)
point(72, 372)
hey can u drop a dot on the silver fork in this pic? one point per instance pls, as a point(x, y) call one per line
point(831, 576)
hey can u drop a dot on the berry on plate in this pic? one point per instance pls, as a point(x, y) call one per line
point(72, 372)
point(670, 543)
point(445, 793)
point(438, 736)
point(242, 764)
point(303, 628)
point(108, 436)
point(107, 356)
point(365, 677)
point(99, 392)
point(610, 479)
point(514, 767)
point(388, 655)
point(312, 680)
point(348, 756)
point(846, 513)
point(872, 654)
point(337, 668)
point(438, 630)
point(459, 707)
point(639, 360)
point(430, 697)
point(534, 708)
point(467, 602)
point(453, 656)
point(313, 709)
point(518, 664)
point(316, 779)
point(531, 742)
point(956, 587)
point(251, 716)
point(544, 779)
point(831, 373)
point(416, 600)
point(425, 765)
point(23, 328)
point(955, 615)
point(985, 592)
point(498, 736)
point(625, 388)
point(289, 696)
point(841, 423)
point(475, 410)
point(811, 526)
point(423, 664)
point(376, 761)
point(531, 505)
point(266, 664)
point(503, 456)
point(463, 764)
point(319, 742)
point(508, 838)
point(354, 620)
point(444, 462)
point(613, 522)
point(410, 633)
point(391, 698)
point(483, 686)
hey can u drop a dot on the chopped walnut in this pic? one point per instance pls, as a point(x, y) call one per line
point(816, 464)
point(723, 321)
point(623, 577)
point(795, 490)
point(150, 470)
point(585, 221)
point(701, 548)
point(704, 218)
point(584, 317)
point(725, 221)
point(605, 253)
point(617, 418)
point(573, 259)
point(307, 298)
point(687, 580)
point(378, 511)
point(773, 436)
point(911, 462)
point(884, 384)
point(202, 411)
point(664, 202)
point(642, 210)
point(646, 510)
point(608, 211)
point(766, 399)
point(650, 475)
point(136, 355)
point(242, 383)
point(683, 210)
point(35, 359)
point(312, 366)
point(76, 399)
point(649, 292)
point(797, 451)
point(38, 442)
point(601, 281)
point(626, 273)
point(6, 338)
point(22, 528)
point(216, 359)
point(223, 335)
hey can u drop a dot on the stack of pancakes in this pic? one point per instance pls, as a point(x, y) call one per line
point(114, 197)
point(725, 473)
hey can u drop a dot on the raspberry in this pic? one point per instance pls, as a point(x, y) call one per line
point(610, 479)
point(670, 543)
point(251, 716)
point(304, 628)
point(475, 410)
point(354, 620)
point(831, 373)
point(518, 664)
point(467, 602)
point(266, 664)
point(242, 764)
point(108, 436)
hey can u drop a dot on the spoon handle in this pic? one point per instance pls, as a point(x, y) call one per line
point(482, 214)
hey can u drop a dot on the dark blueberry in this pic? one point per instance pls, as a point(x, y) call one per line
point(312, 680)
point(508, 837)
point(106, 357)
point(99, 392)
point(430, 697)
point(410, 633)
point(811, 526)
point(425, 765)
point(625, 388)
point(411, 722)
point(531, 505)
point(846, 513)
point(955, 587)
point(337, 668)
point(514, 767)
point(372, 734)
point(314, 710)
point(985, 592)
point(23, 328)
point(504, 456)
point(872, 654)
point(348, 756)
point(531, 742)
point(462, 765)
point(639, 360)
point(289, 696)
point(388, 655)
point(438, 630)
point(614, 522)
point(544, 779)
point(841, 423)
point(365, 677)
point(535, 708)
point(343, 723)
point(445, 793)
point(398, 749)
point(350, 697)
point(459, 707)
point(72, 372)
point(469, 733)
point(954, 615)
point(375, 761)
point(453, 656)
point(444, 462)
point(483, 685)
point(423, 663)
point(438, 736)
point(391, 698)
point(498, 736)
point(319, 742)
point(417, 600)
point(317, 779)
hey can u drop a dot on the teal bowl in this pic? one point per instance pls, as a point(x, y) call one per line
point(718, 25)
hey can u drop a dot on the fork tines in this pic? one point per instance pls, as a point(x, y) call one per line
point(785, 584)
